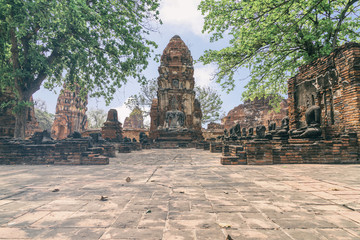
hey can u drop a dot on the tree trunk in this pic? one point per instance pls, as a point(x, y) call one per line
point(21, 113)
point(20, 122)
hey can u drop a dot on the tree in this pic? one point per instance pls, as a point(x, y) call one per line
point(143, 100)
point(96, 45)
point(44, 118)
point(96, 118)
point(274, 38)
point(211, 104)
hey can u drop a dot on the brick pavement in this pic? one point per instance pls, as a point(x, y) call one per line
point(179, 194)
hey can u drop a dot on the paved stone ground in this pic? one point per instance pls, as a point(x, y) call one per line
point(179, 194)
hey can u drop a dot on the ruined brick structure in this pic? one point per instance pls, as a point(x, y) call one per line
point(176, 114)
point(135, 120)
point(213, 131)
point(134, 133)
point(333, 84)
point(324, 117)
point(70, 115)
point(213, 125)
point(112, 129)
point(7, 118)
point(70, 151)
point(253, 113)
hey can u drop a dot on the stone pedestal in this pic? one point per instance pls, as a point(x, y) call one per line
point(259, 152)
point(216, 147)
point(112, 130)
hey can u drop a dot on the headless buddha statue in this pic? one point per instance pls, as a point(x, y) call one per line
point(260, 131)
point(313, 121)
point(284, 129)
point(235, 131)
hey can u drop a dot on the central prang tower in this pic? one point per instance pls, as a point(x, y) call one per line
point(176, 114)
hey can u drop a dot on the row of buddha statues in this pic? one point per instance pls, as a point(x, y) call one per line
point(311, 130)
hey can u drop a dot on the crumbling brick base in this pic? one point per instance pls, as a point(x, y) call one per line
point(64, 152)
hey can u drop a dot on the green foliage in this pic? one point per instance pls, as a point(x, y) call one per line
point(211, 104)
point(99, 44)
point(96, 45)
point(273, 38)
point(96, 118)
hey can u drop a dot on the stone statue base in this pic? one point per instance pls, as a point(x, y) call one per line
point(168, 135)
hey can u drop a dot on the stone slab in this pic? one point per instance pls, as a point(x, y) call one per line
point(179, 194)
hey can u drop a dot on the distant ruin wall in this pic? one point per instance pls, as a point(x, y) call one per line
point(333, 84)
point(134, 133)
point(253, 113)
point(212, 133)
point(134, 120)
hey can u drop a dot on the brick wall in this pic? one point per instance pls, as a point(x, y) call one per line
point(253, 113)
point(134, 133)
point(64, 152)
point(333, 83)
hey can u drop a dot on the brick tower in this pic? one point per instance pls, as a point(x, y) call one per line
point(70, 114)
point(176, 114)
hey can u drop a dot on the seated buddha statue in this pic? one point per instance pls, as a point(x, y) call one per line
point(313, 122)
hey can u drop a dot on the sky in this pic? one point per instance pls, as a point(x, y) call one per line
point(179, 17)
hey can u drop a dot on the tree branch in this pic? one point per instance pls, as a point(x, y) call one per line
point(15, 58)
point(342, 17)
point(50, 60)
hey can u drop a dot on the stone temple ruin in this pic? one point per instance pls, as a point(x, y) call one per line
point(69, 148)
point(70, 115)
point(318, 123)
point(323, 123)
point(258, 110)
point(176, 114)
point(112, 129)
point(135, 120)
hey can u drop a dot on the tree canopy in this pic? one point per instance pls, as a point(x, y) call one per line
point(274, 37)
point(97, 45)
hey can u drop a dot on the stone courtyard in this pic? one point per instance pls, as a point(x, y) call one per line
point(179, 194)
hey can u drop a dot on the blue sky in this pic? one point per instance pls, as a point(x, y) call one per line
point(180, 17)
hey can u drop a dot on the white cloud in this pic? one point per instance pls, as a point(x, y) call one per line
point(123, 112)
point(183, 15)
point(203, 75)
